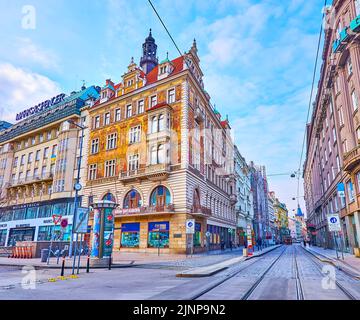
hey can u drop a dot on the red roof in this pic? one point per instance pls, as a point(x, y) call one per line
point(178, 64)
point(158, 106)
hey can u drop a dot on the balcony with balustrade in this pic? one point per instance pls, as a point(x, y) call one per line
point(352, 159)
point(200, 211)
point(155, 172)
point(47, 176)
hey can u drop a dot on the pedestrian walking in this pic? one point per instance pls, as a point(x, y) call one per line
point(222, 244)
point(230, 244)
point(259, 244)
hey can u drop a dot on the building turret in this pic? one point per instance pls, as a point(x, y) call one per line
point(149, 60)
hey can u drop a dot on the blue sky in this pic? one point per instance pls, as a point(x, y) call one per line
point(257, 57)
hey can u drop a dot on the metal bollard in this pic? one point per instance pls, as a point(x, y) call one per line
point(63, 266)
point(88, 264)
point(110, 262)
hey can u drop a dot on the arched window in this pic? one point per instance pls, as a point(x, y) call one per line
point(153, 155)
point(109, 197)
point(132, 200)
point(161, 121)
point(160, 197)
point(154, 124)
point(161, 154)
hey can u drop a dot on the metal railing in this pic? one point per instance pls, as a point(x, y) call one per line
point(146, 209)
point(45, 176)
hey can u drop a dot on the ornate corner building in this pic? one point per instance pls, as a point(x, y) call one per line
point(332, 166)
point(160, 151)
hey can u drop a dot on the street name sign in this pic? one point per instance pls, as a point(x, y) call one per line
point(190, 226)
point(334, 222)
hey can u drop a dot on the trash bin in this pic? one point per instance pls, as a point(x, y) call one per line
point(44, 255)
point(245, 252)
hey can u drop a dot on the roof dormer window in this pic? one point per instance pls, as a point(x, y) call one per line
point(163, 69)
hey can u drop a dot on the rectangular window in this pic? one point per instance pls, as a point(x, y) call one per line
point(16, 161)
point(153, 101)
point(37, 155)
point(351, 193)
point(135, 134)
point(110, 168)
point(354, 100)
point(117, 114)
point(349, 66)
point(130, 235)
point(97, 122)
point(358, 181)
point(338, 164)
point(329, 145)
point(345, 146)
point(41, 138)
point(140, 106)
point(22, 161)
point(33, 140)
point(48, 135)
point(133, 162)
point(336, 203)
point(128, 111)
point(171, 96)
point(334, 135)
point(95, 146)
point(46, 152)
point(111, 141)
point(54, 151)
point(107, 118)
point(357, 7)
point(158, 234)
point(30, 157)
point(341, 116)
point(92, 171)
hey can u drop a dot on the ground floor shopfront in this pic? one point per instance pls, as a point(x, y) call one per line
point(166, 233)
point(33, 222)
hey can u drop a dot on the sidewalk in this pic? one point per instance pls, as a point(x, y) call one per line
point(350, 262)
point(125, 259)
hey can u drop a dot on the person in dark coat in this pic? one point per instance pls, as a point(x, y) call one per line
point(259, 244)
point(230, 244)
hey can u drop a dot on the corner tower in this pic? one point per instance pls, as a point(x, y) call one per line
point(149, 60)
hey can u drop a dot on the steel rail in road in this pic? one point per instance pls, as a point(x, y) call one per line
point(230, 276)
point(299, 287)
point(248, 293)
point(319, 267)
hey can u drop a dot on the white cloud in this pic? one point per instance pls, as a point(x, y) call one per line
point(28, 50)
point(21, 89)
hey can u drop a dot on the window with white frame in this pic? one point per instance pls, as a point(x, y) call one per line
point(110, 167)
point(111, 141)
point(128, 111)
point(334, 135)
point(326, 157)
point(338, 164)
point(358, 133)
point(92, 172)
point(171, 96)
point(97, 122)
point(345, 146)
point(358, 180)
point(157, 154)
point(341, 116)
point(329, 146)
point(135, 134)
point(153, 101)
point(107, 118)
point(118, 114)
point(95, 146)
point(133, 163)
point(140, 106)
point(351, 193)
point(331, 106)
point(354, 100)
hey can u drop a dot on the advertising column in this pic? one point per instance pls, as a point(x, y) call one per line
point(103, 232)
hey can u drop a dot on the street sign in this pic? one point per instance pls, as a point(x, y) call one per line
point(341, 190)
point(81, 220)
point(190, 226)
point(64, 223)
point(334, 222)
point(56, 219)
point(208, 234)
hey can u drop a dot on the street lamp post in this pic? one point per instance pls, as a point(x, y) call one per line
point(76, 187)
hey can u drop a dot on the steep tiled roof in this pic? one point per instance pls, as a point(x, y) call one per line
point(178, 64)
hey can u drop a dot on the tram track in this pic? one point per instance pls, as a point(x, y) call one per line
point(299, 286)
point(235, 273)
point(320, 266)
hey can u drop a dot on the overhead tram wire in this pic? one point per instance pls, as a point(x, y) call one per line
point(311, 97)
